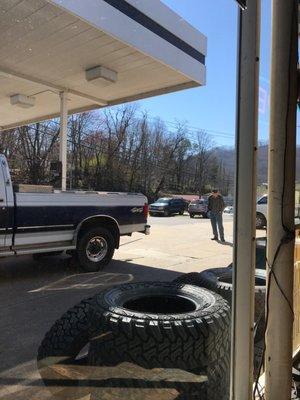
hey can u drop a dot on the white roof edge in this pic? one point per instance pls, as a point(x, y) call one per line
point(172, 21)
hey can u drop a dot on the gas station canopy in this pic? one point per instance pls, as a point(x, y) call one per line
point(99, 52)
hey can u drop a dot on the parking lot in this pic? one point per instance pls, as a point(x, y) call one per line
point(34, 294)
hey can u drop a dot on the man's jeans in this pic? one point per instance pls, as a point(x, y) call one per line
point(216, 220)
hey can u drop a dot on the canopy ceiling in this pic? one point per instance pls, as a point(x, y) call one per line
point(46, 46)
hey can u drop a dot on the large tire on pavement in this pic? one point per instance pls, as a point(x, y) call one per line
point(219, 280)
point(224, 288)
point(207, 279)
point(95, 249)
point(69, 335)
point(160, 325)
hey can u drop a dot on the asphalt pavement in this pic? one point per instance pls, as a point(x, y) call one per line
point(34, 294)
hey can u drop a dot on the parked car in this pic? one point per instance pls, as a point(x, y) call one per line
point(262, 209)
point(228, 210)
point(37, 220)
point(261, 212)
point(198, 207)
point(167, 206)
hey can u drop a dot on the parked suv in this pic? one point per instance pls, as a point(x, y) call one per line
point(167, 206)
point(198, 207)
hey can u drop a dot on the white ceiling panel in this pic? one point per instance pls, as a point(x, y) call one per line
point(46, 46)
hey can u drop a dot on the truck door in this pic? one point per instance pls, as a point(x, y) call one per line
point(5, 228)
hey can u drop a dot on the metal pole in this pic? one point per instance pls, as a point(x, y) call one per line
point(245, 204)
point(281, 199)
point(63, 138)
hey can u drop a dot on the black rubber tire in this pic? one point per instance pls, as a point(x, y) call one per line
point(188, 340)
point(192, 215)
point(224, 288)
point(69, 334)
point(207, 279)
point(192, 278)
point(181, 212)
point(260, 221)
point(219, 280)
point(86, 264)
point(258, 355)
point(205, 215)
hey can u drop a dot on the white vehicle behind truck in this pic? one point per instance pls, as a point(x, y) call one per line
point(39, 220)
point(262, 212)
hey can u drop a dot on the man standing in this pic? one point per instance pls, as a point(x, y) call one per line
point(216, 206)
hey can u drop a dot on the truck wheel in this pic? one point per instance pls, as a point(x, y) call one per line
point(181, 212)
point(204, 215)
point(68, 336)
point(160, 325)
point(260, 221)
point(192, 215)
point(95, 249)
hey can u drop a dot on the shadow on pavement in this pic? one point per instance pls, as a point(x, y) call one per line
point(33, 295)
point(125, 380)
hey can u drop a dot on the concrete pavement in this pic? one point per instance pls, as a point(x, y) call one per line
point(33, 295)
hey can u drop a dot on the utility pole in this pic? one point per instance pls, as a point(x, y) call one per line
point(281, 199)
point(245, 202)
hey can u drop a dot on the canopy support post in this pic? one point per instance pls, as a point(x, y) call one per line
point(245, 203)
point(63, 138)
point(281, 200)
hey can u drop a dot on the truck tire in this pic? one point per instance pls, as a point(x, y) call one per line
point(160, 325)
point(260, 221)
point(205, 215)
point(68, 336)
point(219, 280)
point(207, 279)
point(95, 249)
point(224, 288)
point(192, 215)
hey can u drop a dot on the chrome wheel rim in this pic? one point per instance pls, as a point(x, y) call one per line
point(96, 249)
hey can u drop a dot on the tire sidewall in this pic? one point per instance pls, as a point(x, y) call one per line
point(201, 336)
point(84, 262)
point(111, 300)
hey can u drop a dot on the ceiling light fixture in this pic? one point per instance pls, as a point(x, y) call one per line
point(101, 75)
point(21, 100)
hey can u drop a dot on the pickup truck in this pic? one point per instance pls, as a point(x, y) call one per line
point(39, 220)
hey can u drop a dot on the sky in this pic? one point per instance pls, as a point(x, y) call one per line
point(212, 107)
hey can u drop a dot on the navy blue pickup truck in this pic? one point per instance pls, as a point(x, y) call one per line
point(39, 220)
